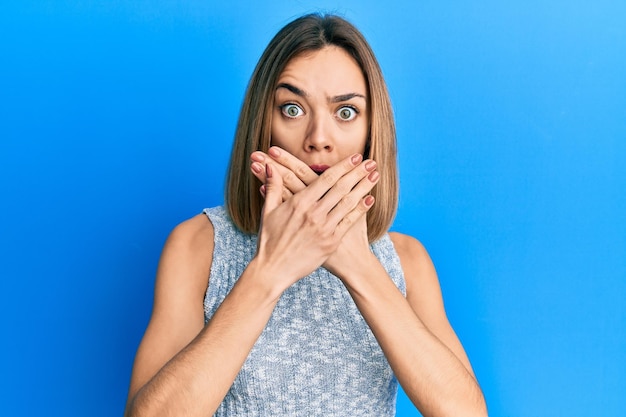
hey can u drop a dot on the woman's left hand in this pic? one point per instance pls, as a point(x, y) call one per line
point(413, 331)
point(297, 176)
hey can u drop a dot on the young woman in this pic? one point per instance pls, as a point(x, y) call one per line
point(293, 300)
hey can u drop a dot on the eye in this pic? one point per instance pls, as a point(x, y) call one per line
point(291, 110)
point(347, 113)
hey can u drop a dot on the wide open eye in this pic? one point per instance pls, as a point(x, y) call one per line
point(347, 113)
point(291, 110)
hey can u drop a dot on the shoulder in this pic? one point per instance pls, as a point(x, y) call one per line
point(187, 255)
point(194, 235)
point(407, 245)
point(422, 284)
point(414, 258)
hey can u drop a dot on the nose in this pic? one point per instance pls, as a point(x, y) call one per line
point(319, 135)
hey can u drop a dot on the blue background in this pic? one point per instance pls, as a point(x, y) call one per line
point(116, 121)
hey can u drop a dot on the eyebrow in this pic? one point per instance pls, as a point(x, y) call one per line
point(346, 97)
point(335, 99)
point(293, 89)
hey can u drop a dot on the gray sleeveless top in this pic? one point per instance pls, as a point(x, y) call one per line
point(316, 355)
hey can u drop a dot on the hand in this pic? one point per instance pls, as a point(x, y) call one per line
point(295, 173)
point(296, 177)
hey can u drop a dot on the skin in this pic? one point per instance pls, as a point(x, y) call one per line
point(185, 368)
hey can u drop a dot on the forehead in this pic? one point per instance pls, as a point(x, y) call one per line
point(329, 70)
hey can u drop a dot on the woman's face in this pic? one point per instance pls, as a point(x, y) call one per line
point(320, 112)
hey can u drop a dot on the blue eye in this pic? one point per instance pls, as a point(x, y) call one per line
point(291, 110)
point(347, 113)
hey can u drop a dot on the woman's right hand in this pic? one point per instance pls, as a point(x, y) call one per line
point(298, 235)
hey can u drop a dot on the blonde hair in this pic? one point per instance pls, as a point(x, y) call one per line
point(311, 33)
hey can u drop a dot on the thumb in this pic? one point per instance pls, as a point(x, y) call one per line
point(273, 188)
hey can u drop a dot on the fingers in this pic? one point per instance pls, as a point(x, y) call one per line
point(292, 170)
point(353, 216)
point(346, 204)
point(301, 170)
point(338, 195)
point(339, 180)
point(258, 170)
point(273, 188)
point(347, 200)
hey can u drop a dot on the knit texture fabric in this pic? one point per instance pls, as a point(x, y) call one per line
point(316, 356)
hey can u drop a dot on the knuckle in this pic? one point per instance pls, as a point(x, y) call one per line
point(269, 187)
point(311, 219)
point(343, 188)
point(289, 177)
point(298, 204)
point(301, 171)
point(286, 194)
point(328, 178)
point(347, 221)
point(348, 201)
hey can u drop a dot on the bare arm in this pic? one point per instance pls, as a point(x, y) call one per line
point(419, 343)
point(183, 368)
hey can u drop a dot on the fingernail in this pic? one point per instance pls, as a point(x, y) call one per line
point(258, 157)
point(274, 152)
point(370, 165)
point(369, 200)
point(268, 171)
point(256, 167)
point(262, 189)
point(356, 158)
point(373, 177)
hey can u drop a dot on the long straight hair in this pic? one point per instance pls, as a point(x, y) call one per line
point(307, 34)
